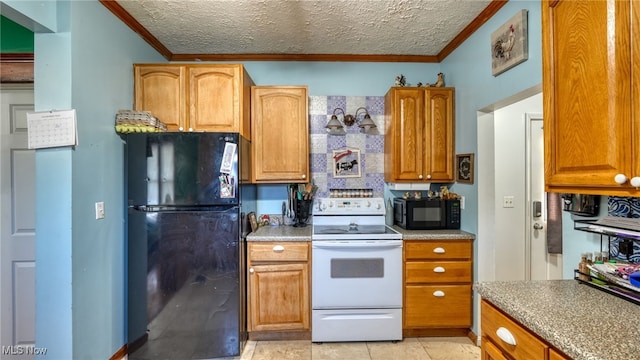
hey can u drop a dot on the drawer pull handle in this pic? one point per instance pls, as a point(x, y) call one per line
point(506, 336)
point(438, 269)
point(439, 250)
point(438, 293)
point(278, 248)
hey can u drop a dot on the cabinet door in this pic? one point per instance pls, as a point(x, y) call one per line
point(555, 355)
point(280, 134)
point(491, 352)
point(635, 59)
point(214, 98)
point(587, 90)
point(279, 297)
point(437, 306)
point(160, 89)
point(408, 152)
point(439, 129)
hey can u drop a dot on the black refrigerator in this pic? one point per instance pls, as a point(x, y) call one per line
point(185, 244)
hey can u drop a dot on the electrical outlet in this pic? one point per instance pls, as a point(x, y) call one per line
point(100, 210)
point(507, 202)
point(461, 202)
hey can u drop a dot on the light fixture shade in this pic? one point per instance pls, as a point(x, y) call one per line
point(337, 131)
point(367, 124)
point(334, 123)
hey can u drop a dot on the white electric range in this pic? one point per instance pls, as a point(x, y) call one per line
point(356, 272)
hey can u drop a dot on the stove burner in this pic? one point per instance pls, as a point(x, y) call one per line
point(353, 227)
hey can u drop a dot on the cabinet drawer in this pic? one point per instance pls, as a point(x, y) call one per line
point(527, 346)
point(438, 272)
point(278, 251)
point(438, 306)
point(428, 250)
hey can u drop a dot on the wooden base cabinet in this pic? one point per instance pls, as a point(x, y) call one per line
point(503, 338)
point(278, 287)
point(280, 138)
point(591, 87)
point(419, 134)
point(437, 286)
point(195, 97)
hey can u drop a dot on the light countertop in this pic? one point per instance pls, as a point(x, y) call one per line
point(583, 322)
point(290, 233)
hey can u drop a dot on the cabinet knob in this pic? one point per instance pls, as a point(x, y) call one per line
point(506, 336)
point(420, 176)
point(304, 176)
point(428, 176)
point(620, 179)
point(635, 182)
point(251, 270)
point(180, 128)
point(190, 129)
point(439, 250)
point(438, 269)
point(438, 293)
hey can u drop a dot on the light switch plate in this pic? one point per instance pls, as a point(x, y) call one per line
point(99, 210)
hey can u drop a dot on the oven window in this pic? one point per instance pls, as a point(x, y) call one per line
point(426, 214)
point(357, 268)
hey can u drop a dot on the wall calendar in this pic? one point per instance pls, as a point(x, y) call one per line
point(53, 128)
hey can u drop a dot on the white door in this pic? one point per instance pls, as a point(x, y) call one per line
point(17, 227)
point(542, 266)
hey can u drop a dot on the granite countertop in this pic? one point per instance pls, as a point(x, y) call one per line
point(433, 234)
point(290, 233)
point(281, 233)
point(583, 322)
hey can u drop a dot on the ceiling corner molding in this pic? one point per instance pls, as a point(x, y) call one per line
point(132, 23)
point(482, 18)
point(306, 57)
point(16, 68)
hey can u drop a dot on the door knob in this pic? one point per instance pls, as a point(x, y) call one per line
point(537, 226)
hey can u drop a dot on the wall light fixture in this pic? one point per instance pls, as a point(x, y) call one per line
point(335, 127)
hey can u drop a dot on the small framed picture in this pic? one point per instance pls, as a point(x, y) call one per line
point(346, 163)
point(464, 168)
point(253, 221)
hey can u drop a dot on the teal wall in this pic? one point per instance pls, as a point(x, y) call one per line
point(80, 273)
point(81, 261)
point(468, 69)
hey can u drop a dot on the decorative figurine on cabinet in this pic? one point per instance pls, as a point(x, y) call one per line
point(439, 82)
point(401, 80)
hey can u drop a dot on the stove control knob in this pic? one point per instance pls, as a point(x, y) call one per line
point(378, 206)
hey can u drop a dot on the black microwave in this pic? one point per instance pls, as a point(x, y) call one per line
point(426, 214)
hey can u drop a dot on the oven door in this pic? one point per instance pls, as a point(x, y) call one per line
point(357, 274)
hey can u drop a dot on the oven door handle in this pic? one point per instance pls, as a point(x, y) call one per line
point(356, 244)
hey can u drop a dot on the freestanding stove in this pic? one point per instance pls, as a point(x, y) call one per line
point(356, 272)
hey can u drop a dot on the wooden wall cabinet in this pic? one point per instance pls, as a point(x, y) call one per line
point(437, 287)
point(195, 97)
point(499, 333)
point(278, 286)
point(591, 91)
point(280, 134)
point(419, 134)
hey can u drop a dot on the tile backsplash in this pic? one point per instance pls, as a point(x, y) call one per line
point(322, 145)
point(624, 207)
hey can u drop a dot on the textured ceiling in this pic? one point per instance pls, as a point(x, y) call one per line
point(365, 27)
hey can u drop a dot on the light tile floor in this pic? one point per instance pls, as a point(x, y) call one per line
point(427, 348)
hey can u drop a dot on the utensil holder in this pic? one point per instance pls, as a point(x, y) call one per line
point(303, 211)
